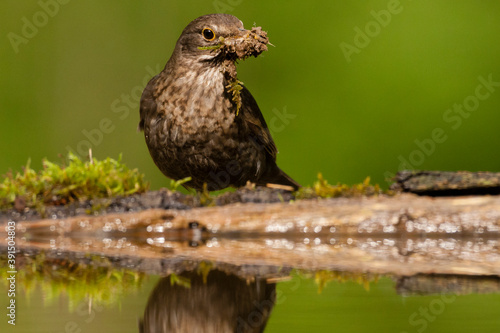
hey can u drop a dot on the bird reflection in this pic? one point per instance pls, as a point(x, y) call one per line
point(218, 302)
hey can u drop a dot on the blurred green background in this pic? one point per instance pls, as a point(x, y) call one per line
point(358, 103)
point(77, 69)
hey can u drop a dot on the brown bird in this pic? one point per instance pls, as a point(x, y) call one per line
point(199, 121)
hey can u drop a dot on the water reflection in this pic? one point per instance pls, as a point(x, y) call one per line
point(218, 281)
point(213, 302)
point(214, 296)
point(433, 284)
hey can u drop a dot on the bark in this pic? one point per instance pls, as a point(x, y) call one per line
point(440, 183)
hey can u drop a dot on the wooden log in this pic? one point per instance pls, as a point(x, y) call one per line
point(402, 235)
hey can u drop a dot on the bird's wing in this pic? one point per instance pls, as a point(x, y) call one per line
point(251, 114)
point(148, 103)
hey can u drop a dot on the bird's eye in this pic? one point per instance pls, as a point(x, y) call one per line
point(208, 34)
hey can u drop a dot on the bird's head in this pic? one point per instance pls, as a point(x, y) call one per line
point(220, 37)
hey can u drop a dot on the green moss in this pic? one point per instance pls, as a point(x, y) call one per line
point(322, 189)
point(206, 200)
point(175, 184)
point(77, 180)
point(61, 184)
point(213, 47)
point(234, 88)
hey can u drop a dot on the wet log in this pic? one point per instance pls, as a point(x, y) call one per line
point(402, 235)
point(404, 214)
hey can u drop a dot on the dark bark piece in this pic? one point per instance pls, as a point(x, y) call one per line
point(439, 284)
point(447, 183)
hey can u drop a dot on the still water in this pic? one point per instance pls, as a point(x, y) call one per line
point(68, 291)
point(189, 271)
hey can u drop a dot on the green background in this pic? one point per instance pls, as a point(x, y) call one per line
point(85, 67)
point(352, 119)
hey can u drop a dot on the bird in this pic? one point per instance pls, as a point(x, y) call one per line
point(200, 121)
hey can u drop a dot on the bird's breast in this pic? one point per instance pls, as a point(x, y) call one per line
point(196, 107)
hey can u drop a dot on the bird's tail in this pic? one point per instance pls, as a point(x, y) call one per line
point(279, 177)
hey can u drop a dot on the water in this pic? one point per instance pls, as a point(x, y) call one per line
point(227, 269)
point(67, 289)
point(341, 306)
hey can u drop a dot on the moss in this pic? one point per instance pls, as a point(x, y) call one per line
point(205, 198)
point(75, 180)
point(214, 47)
point(59, 184)
point(234, 88)
point(322, 189)
point(175, 184)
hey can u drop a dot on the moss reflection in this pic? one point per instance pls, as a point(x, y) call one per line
point(324, 277)
point(94, 279)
